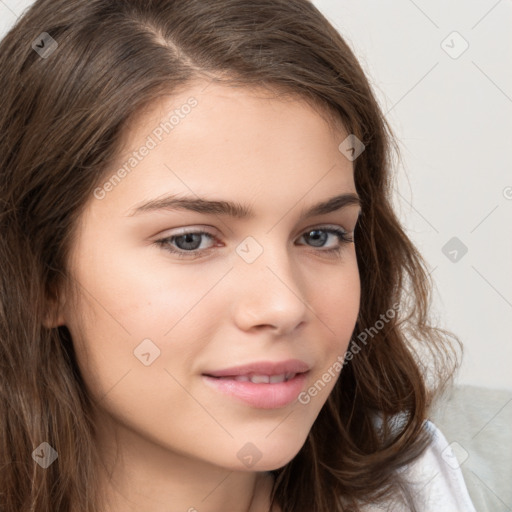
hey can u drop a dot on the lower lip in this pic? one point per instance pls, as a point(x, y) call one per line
point(261, 395)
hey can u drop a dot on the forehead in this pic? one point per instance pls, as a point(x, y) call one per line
point(213, 139)
point(230, 98)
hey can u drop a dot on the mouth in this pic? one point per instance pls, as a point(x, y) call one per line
point(261, 385)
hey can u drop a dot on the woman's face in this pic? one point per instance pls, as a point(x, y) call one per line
point(164, 317)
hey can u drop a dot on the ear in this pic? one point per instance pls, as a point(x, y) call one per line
point(55, 312)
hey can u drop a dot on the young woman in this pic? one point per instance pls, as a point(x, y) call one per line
point(207, 302)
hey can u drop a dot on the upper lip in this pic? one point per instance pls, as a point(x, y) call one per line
point(262, 368)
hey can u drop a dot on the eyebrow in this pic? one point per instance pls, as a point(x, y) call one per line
point(237, 210)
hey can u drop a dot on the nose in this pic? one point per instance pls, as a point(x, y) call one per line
point(270, 294)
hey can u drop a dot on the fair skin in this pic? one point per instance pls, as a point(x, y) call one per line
point(178, 438)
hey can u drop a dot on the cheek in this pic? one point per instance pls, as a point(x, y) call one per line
point(142, 291)
point(130, 314)
point(337, 301)
point(136, 355)
point(337, 306)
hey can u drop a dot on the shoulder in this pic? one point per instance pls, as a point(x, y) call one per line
point(434, 481)
point(435, 478)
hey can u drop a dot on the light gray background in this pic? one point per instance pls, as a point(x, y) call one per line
point(453, 117)
point(452, 113)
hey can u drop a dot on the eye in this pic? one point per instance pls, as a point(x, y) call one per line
point(317, 237)
point(189, 243)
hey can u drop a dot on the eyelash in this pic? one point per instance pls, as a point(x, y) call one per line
point(165, 242)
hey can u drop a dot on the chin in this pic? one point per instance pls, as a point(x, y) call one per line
point(268, 456)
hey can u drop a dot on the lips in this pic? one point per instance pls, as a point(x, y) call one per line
point(265, 385)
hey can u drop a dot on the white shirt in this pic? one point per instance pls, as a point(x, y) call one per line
point(436, 480)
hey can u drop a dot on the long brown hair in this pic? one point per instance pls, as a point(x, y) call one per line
point(63, 112)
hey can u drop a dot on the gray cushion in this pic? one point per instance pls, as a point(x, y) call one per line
point(477, 422)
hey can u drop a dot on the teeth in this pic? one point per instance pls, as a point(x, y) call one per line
point(258, 379)
point(265, 379)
